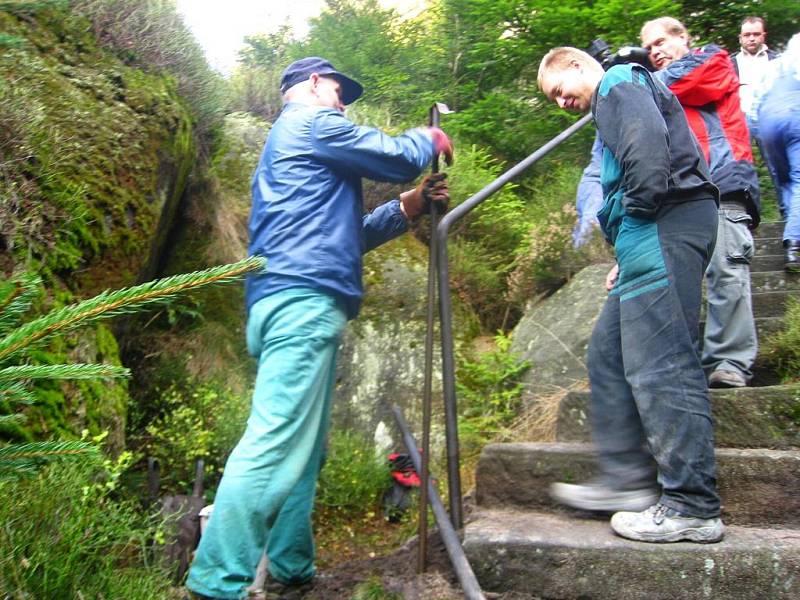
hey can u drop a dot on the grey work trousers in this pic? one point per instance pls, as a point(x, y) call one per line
point(730, 341)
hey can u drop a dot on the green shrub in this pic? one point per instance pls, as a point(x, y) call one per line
point(65, 534)
point(373, 589)
point(151, 34)
point(353, 477)
point(783, 348)
point(203, 422)
point(490, 394)
point(485, 241)
point(547, 258)
point(256, 90)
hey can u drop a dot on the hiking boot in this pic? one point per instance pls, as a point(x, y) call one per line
point(276, 590)
point(599, 497)
point(662, 524)
point(722, 378)
point(792, 261)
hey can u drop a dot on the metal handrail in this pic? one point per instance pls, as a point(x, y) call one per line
point(452, 543)
point(446, 312)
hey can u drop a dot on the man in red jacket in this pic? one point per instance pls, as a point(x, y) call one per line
point(705, 83)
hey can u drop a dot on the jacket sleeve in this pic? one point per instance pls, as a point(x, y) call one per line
point(633, 129)
point(367, 152)
point(700, 77)
point(383, 224)
point(589, 196)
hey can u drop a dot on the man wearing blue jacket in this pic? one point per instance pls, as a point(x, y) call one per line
point(307, 220)
point(651, 419)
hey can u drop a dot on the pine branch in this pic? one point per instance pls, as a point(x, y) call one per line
point(45, 451)
point(16, 392)
point(76, 371)
point(127, 300)
point(14, 419)
point(16, 296)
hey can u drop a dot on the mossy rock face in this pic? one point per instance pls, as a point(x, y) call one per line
point(108, 149)
point(95, 158)
point(201, 339)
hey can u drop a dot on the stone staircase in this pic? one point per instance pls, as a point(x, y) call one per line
point(519, 541)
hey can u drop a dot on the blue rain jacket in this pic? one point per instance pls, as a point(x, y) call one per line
point(307, 216)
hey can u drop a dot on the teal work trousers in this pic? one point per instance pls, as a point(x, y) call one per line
point(266, 495)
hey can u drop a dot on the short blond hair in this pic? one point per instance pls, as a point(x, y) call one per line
point(559, 59)
point(670, 24)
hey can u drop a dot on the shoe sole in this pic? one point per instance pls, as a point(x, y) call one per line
point(620, 502)
point(725, 384)
point(699, 535)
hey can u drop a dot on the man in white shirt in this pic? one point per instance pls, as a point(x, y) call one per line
point(751, 61)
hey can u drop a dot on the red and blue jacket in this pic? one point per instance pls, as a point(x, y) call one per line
point(707, 87)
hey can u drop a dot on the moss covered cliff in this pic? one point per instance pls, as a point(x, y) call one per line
point(94, 159)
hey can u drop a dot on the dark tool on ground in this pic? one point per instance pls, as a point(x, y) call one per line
point(181, 515)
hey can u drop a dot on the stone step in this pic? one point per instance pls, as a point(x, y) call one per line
point(774, 281)
point(767, 417)
point(766, 262)
point(765, 327)
point(758, 486)
point(768, 229)
point(765, 303)
point(771, 304)
point(533, 555)
point(769, 245)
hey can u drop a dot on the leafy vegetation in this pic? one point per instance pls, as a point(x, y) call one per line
point(200, 423)
point(105, 104)
point(348, 516)
point(783, 347)
point(353, 477)
point(151, 35)
point(490, 392)
point(67, 534)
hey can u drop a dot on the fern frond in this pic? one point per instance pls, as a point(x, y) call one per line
point(16, 392)
point(45, 451)
point(76, 371)
point(16, 295)
point(127, 300)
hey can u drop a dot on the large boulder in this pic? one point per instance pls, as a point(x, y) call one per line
point(553, 335)
point(382, 356)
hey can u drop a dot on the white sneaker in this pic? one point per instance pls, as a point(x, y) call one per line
point(599, 497)
point(663, 524)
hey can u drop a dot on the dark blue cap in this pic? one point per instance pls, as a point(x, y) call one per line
point(300, 70)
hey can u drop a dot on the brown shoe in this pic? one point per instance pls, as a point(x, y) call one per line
point(726, 379)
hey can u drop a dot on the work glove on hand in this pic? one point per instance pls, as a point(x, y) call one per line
point(442, 144)
point(432, 189)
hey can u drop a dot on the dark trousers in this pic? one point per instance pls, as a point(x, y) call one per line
point(651, 416)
